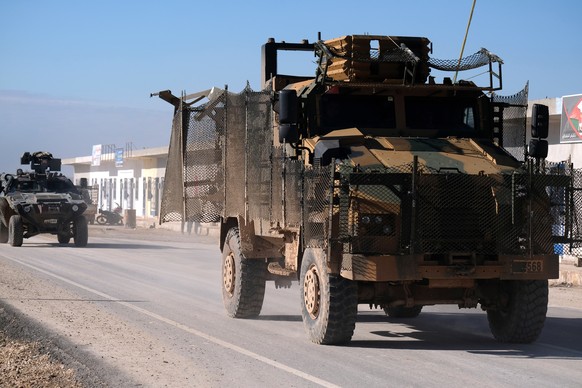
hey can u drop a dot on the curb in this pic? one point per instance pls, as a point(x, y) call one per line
point(570, 271)
point(570, 276)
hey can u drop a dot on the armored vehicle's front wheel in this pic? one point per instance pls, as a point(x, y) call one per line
point(15, 231)
point(243, 280)
point(402, 311)
point(81, 231)
point(521, 311)
point(3, 233)
point(329, 303)
point(63, 238)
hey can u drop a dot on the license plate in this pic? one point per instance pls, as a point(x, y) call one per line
point(50, 221)
point(528, 266)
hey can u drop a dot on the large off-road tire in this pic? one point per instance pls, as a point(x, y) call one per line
point(243, 280)
point(521, 313)
point(101, 220)
point(3, 233)
point(329, 303)
point(403, 312)
point(81, 229)
point(15, 231)
point(63, 238)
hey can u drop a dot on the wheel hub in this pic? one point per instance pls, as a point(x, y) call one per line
point(228, 274)
point(311, 292)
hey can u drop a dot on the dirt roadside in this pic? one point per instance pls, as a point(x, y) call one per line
point(32, 356)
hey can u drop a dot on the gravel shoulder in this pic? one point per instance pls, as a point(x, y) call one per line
point(34, 353)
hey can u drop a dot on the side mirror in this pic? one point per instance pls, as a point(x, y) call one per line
point(538, 149)
point(288, 133)
point(288, 104)
point(540, 118)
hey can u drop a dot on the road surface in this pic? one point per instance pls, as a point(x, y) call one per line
point(145, 308)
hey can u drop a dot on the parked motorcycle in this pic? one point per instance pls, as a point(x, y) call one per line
point(110, 217)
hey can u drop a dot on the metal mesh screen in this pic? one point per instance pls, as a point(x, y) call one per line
point(193, 188)
point(316, 206)
point(172, 207)
point(576, 201)
point(375, 210)
point(511, 115)
point(454, 213)
point(259, 146)
point(482, 57)
point(235, 173)
point(203, 169)
point(293, 192)
point(223, 163)
point(277, 171)
point(567, 208)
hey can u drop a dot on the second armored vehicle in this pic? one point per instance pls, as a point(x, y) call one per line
point(41, 201)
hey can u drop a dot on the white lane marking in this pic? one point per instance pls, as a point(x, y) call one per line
point(185, 328)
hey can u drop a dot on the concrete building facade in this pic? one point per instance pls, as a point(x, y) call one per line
point(133, 181)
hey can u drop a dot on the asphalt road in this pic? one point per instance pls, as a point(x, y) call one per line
point(146, 309)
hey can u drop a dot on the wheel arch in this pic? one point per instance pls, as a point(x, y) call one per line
point(227, 224)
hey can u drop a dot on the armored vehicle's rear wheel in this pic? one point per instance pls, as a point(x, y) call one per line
point(403, 312)
point(15, 231)
point(63, 238)
point(101, 220)
point(81, 231)
point(521, 313)
point(3, 233)
point(243, 280)
point(329, 303)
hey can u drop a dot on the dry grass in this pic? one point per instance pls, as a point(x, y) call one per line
point(25, 363)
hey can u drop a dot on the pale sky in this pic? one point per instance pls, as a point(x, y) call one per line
point(78, 73)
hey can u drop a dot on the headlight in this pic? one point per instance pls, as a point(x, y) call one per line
point(75, 208)
point(377, 225)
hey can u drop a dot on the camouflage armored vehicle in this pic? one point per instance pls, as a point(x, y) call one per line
point(373, 183)
point(41, 201)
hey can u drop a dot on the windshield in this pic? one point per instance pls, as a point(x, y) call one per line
point(450, 116)
point(363, 111)
point(27, 186)
point(60, 185)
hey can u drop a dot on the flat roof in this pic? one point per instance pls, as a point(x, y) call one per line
point(135, 154)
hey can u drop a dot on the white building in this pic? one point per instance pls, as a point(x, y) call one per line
point(131, 179)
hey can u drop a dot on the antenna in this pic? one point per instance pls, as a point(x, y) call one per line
point(464, 41)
